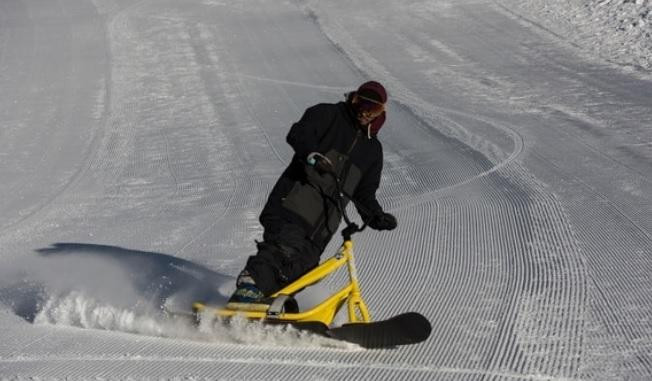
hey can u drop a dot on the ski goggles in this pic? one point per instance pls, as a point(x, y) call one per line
point(370, 108)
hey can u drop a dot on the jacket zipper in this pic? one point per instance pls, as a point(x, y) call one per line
point(348, 153)
point(357, 135)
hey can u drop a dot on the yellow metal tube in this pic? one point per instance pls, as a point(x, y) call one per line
point(325, 311)
point(313, 276)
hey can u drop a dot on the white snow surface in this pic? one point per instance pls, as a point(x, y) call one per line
point(139, 140)
point(618, 31)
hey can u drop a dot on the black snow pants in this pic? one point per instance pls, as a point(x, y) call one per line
point(285, 254)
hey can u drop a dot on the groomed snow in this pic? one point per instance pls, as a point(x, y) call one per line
point(618, 31)
point(139, 140)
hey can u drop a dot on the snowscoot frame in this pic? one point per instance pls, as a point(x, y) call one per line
point(323, 312)
point(326, 310)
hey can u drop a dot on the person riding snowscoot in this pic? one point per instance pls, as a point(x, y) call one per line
point(301, 214)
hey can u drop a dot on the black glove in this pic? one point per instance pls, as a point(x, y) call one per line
point(383, 221)
point(321, 163)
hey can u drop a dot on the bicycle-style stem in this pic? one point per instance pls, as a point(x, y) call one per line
point(355, 301)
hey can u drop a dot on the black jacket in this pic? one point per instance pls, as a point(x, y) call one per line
point(304, 197)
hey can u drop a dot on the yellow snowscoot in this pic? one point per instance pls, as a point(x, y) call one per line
point(406, 328)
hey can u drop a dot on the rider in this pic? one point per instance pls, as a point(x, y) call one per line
point(302, 214)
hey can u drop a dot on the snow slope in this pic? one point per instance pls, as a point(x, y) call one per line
point(618, 31)
point(139, 139)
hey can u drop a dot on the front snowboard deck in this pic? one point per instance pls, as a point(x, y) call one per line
point(407, 328)
point(403, 329)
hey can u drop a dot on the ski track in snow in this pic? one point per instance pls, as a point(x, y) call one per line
point(520, 183)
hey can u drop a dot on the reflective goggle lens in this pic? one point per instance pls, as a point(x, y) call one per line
point(370, 107)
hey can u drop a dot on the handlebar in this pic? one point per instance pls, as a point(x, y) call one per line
point(351, 227)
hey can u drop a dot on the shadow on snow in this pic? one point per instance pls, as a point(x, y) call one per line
point(118, 276)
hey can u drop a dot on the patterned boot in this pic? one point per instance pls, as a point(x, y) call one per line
point(247, 296)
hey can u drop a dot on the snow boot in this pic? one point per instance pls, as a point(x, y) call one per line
point(247, 296)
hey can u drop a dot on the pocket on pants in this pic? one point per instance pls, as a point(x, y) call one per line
point(305, 201)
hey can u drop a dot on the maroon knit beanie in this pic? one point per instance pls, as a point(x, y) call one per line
point(373, 90)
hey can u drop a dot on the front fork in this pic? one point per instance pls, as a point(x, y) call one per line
point(358, 311)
